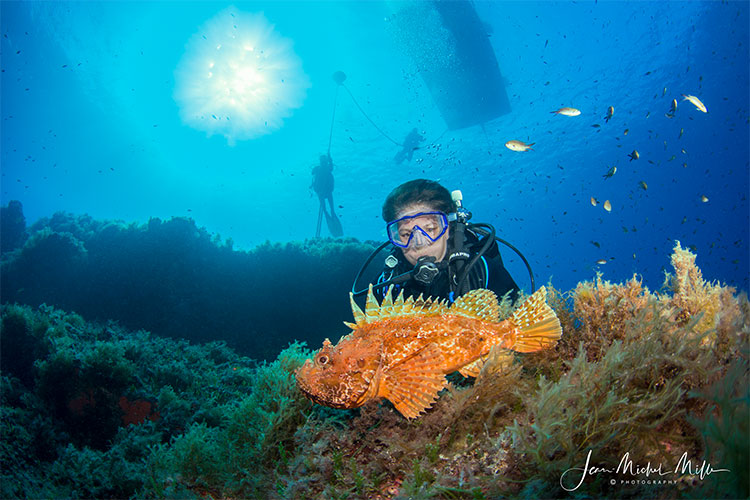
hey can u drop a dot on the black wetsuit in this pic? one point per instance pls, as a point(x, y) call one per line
point(489, 272)
point(322, 184)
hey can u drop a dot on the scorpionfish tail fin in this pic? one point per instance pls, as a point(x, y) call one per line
point(538, 326)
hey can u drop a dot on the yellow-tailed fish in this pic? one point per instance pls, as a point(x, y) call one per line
point(607, 206)
point(519, 146)
point(567, 112)
point(696, 102)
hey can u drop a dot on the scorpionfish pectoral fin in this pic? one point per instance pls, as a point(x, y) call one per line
point(412, 385)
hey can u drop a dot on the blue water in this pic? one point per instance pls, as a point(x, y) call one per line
point(90, 124)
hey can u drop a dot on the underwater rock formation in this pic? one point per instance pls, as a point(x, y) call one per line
point(97, 399)
point(12, 226)
point(175, 279)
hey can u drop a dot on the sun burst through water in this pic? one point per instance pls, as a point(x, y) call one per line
point(238, 77)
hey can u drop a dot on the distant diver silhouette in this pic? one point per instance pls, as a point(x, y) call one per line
point(322, 184)
point(411, 144)
point(411, 141)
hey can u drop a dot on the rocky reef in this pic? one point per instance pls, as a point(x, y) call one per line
point(177, 280)
point(645, 396)
point(12, 226)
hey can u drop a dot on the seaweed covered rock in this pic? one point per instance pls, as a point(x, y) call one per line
point(12, 226)
point(83, 391)
point(625, 381)
point(634, 363)
point(49, 268)
point(254, 437)
point(693, 298)
point(175, 279)
point(96, 398)
point(634, 381)
point(21, 343)
point(82, 227)
point(604, 311)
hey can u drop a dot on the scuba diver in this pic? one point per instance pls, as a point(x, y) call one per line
point(436, 252)
point(322, 184)
point(411, 144)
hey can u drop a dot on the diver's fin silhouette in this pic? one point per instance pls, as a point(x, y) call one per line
point(400, 157)
point(320, 221)
point(334, 225)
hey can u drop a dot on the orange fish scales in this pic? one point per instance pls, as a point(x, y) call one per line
point(401, 350)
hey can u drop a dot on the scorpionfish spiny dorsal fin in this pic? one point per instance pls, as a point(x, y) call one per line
point(393, 308)
point(481, 304)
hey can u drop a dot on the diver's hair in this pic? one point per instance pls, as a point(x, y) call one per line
point(422, 191)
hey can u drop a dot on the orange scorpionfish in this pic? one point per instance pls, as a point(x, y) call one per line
point(401, 350)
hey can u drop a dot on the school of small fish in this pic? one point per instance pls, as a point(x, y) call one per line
point(520, 146)
point(635, 155)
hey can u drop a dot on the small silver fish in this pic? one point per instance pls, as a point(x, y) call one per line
point(515, 145)
point(567, 111)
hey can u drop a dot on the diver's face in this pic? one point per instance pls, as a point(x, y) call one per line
point(423, 247)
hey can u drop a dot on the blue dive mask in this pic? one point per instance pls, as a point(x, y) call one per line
point(421, 229)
